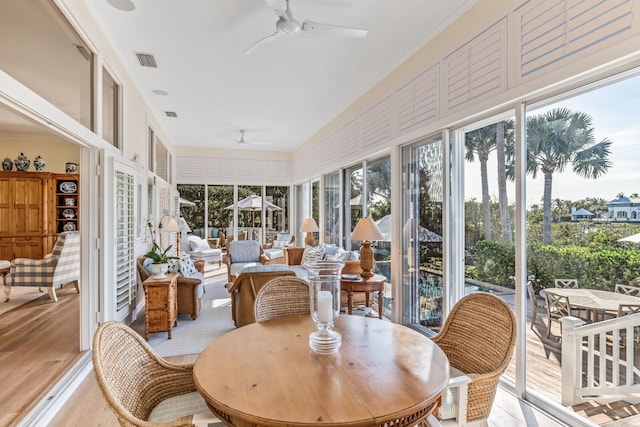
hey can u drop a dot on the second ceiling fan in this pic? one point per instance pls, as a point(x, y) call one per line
point(288, 25)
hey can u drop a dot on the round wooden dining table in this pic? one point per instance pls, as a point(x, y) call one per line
point(265, 374)
point(595, 301)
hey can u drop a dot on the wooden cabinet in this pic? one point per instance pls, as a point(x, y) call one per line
point(32, 211)
point(161, 304)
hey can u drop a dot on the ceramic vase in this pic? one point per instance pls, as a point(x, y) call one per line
point(39, 163)
point(7, 164)
point(22, 163)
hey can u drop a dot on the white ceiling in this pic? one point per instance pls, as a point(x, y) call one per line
point(285, 91)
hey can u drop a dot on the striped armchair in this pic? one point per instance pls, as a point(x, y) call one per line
point(59, 267)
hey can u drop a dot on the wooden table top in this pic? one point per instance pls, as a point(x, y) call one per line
point(594, 299)
point(266, 374)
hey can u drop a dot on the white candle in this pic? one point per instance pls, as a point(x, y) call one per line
point(325, 306)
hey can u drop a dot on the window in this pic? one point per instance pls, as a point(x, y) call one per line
point(150, 149)
point(332, 208)
point(162, 158)
point(110, 110)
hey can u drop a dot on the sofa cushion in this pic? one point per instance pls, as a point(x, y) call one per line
point(174, 266)
point(266, 268)
point(147, 264)
point(312, 254)
point(214, 233)
point(279, 244)
point(330, 249)
point(274, 253)
point(187, 268)
point(197, 244)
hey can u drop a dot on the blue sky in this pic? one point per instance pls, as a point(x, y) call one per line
point(615, 110)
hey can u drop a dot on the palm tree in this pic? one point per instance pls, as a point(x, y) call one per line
point(482, 142)
point(556, 139)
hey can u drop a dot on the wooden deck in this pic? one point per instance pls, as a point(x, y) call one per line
point(544, 361)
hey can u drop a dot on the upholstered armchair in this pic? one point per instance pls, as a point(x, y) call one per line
point(59, 267)
point(246, 286)
point(199, 249)
point(190, 284)
point(274, 251)
point(241, 254)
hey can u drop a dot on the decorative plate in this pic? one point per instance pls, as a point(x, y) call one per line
point(68, 187)
point(68, 214)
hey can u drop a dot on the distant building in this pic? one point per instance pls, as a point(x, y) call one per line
point(581, 214)
point(624, 209)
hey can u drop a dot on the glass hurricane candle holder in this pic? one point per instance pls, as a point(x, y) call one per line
point(324, 303)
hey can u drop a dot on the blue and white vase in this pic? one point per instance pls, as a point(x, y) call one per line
point(39, 164)
point(22, 163)
point(7, 164)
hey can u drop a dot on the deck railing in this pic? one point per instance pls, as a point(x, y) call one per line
point(600, 360)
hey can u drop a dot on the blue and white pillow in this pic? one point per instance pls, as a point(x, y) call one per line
point(187, 268)
point(174, 266)
point(312, 254)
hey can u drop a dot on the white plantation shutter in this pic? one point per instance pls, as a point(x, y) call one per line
point(126, 281)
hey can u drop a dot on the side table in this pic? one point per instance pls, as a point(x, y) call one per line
point(360, 284)
point(161, 304)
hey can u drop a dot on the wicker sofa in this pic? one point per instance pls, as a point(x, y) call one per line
point(190, 289)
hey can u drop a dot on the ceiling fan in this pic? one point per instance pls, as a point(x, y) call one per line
point(288, 25)
point(244, 142)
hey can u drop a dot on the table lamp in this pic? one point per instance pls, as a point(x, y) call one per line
point(173, 227)
point(366, 230)
point(309, 226)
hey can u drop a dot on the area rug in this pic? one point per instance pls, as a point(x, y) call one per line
point(192, 336)
point(19, 295)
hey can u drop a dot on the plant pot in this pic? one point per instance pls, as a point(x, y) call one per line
point(159, 270)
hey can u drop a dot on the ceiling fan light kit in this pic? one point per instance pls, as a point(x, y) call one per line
point(288, 25)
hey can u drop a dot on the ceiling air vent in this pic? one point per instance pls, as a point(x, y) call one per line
point(147, 60)
point(171, 114)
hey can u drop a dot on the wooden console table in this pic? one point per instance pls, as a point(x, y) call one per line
point(161, 304)
point(372, 284)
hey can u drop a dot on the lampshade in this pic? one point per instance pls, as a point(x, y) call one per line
point(366, 229)
point(309, 226)
point(172, 226)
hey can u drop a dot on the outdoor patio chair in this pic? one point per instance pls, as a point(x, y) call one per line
point(557, 308)
point(627, 290)
point(624, 310)
point(283, 296)
point(535, 307)
point(139, 386)
point(478, 338)
point(566, 283)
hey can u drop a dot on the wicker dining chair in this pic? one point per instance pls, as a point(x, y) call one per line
point(478, 338)
point(282, 296)
point(140, 387)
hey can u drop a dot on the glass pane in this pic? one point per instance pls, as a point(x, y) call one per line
point(315, 207)
point(354, 199)
point(110, 106)
point(332, 208)
point(219, 218)
point(194, 215)
point(582, 198)
point(277, 220)
point(379, 209)
point(422, 189)
point(250, 212)
point(161, 160)
point(33, 30)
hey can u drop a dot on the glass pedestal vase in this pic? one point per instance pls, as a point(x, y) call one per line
point(324, 303)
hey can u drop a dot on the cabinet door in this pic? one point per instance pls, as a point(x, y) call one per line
point(29, 206)
point(6, 206)
point(28, 247)
point(6, 248)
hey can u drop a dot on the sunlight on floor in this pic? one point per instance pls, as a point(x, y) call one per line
point(221, 302)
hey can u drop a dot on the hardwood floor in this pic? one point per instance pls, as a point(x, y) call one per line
point(39, 342)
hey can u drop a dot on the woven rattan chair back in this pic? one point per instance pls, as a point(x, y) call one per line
point(133, 378)
point(566, 283)
point(478, 338)
point(627, 290)
point(282, 296)
point(557, 308)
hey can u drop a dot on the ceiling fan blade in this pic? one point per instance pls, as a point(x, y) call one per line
point(279, 7)
point(318, 29)
point(259, 43)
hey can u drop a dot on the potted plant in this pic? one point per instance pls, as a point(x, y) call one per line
point(159, 255)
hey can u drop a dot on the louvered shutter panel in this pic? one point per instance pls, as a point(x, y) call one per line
point(126, 282)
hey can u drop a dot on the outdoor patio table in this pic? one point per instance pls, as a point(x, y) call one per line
point(265, 374)
point(595, 301)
